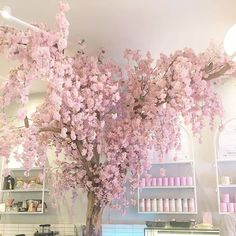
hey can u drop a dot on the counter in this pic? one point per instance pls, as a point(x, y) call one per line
point(179, 231)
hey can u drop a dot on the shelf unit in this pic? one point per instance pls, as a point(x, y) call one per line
point(185, 164)
point(225, 164)
point(23, 194)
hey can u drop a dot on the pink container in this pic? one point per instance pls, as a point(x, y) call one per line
point(165, 181)
point(191, 205)
point(166, 205)
point(159, 181)
point(154, 181)
point(223, 207)
point(189, 181)
point(148, 182)
point(225, 198)
point(171, 181)
point(177, 181)
point(142, 205)
point(183, 181)
point(148, 204)
point(230, 207)
point(142, 182)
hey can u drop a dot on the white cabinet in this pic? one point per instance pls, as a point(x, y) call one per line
point(225, 163)
point(173, 192)
point(22, 192)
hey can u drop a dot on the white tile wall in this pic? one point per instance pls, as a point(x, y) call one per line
point(71, 229)
point(29, 229)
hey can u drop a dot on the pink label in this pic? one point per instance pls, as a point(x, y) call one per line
point(171, 181)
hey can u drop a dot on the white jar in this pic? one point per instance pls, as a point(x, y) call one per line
point(191, 205)
point(154, 205)
point(160, 205)
point(178, 205)
point(142, 205)
point(166, 205)
point(148, 204)
point(172, 205)
point(185, 204)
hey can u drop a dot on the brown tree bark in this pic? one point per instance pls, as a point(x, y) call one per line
point(93, 217)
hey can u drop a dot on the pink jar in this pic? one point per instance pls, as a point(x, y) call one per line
point(154, 181)
point(223, 207)
point(142, 205)
point(189, 181)
point(183, 181)
point(148, 204)
point(177, 181)
point(159, 181)
point(191, 205)
point(226, 198)
point(165, 181)
point(171, 181)
point(166, 205)
point(230, 207)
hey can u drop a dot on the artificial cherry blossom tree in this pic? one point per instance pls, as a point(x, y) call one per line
point(101, 119)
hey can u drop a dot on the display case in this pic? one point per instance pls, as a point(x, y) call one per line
point(225, 163)
point(175, 192)
point(23, 192)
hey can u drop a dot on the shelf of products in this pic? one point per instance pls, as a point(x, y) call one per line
point(225, 163)
point(170, 187)
point(22, 193)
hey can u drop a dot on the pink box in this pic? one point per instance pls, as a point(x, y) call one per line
point(189, 181)
point(171, 181)
point(183, 181)
point(159, 181)
point(177, 181)
point(165, 181)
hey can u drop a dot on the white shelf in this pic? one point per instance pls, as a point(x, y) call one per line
point(23, 190)
point(167, 187)
point(226, 160)
point(169, 213)
point(227, 186)
point(173, 162)
point(21, 213)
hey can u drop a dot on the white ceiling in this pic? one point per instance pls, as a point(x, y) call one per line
point(155, 25)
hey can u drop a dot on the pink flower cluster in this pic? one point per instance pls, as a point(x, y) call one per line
point(102, 119)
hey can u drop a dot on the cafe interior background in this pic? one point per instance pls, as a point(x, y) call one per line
point(161, 26)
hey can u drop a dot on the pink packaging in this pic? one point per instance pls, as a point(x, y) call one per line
point(166, 205)
point(177, 181)
point(154, 181)
point(159, 181)
point(142, 182)
point(189, 181)
point(191, 205)
point(225, 198)
point(142, 205)
point(148, 182)
point(223, 207)
point(183, 181)
point(171, 181)
point(230, 207)
point(165, 181)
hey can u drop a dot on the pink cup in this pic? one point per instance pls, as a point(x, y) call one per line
point(225, 198)
point(183, 181)
point(177, 181)
point(223, 207)
point(159, 181)
point(154, 181)
point(171, 181)
point(189, 181)
point(165, 181)
point(230, 207)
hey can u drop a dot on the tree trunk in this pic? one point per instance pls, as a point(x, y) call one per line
point(94, 217)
